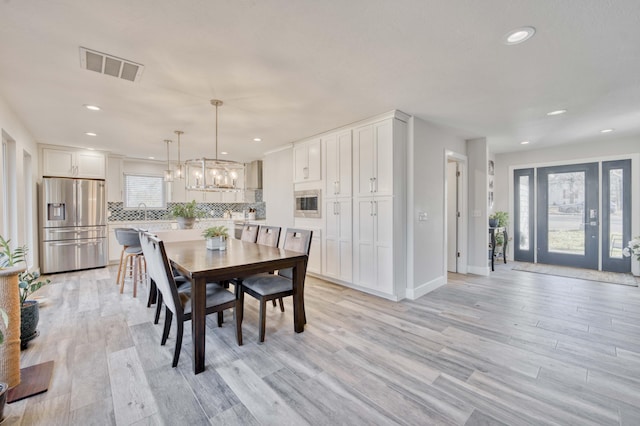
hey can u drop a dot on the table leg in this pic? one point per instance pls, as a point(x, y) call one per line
point(198, 321)
point(298, 296)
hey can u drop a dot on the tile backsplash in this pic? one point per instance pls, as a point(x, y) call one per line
point(117, 212)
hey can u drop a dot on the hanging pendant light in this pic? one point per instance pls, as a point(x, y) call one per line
point(168, 174)
point(206, 174)
point(179, 172)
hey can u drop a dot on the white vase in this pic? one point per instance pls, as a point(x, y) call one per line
point(217, 243)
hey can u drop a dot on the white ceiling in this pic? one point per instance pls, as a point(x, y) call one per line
point(291, 69)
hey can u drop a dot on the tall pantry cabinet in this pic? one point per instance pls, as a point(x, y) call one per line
point(379, 206)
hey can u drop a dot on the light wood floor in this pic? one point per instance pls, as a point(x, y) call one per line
point(515, 348)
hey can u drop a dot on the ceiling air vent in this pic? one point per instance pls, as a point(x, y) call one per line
point(110, 65)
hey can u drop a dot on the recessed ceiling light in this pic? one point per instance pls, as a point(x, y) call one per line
point(224, 153)
point(91, 149)
point(91, 134)
point(606, 130)
point(92, 107)
point(519, 35)
point(557, 112)
point(151, 158)
point(257, 140)
point(524, 143)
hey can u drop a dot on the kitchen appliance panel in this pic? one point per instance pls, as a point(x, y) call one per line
point(57, 202)
point(74, 233)
point(71, 255)
point(90, 202)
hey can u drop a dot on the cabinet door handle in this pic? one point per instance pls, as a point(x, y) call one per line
point(305, 172)
point(337, 207)
point(370, 184)
point(370, 208)
point(375, 205)
point(336, 188)
point(375, 184)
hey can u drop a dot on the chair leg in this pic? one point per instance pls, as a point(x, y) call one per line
point(152, 293)
point(120, 265)
point(158, 307)
point(127, 259)
point(237, 315)
point(136, 274)
point(273, 301)
point(281, 304)
point(167, 326)
point(176, 354)
point(263, 318)
point(220, 318)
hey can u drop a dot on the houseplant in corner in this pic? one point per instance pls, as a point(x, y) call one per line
point(29, 309)
point(185, 214)
point(499, 219)
point(216, 237)
point(632, 249)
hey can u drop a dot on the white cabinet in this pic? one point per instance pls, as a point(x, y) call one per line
point(306, 161)
point(315, 253)
point(337, 245)
point(374, 244)
point(60, 162)
point(337, 164)
point(373, 159)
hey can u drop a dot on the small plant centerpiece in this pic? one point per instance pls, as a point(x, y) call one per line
point(499, 219)
point(633, 249)
point(186, 214)
point(216, 237)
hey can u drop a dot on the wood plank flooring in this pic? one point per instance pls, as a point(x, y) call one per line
point(514, 348)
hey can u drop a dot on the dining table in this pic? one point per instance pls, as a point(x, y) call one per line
point(240, 259)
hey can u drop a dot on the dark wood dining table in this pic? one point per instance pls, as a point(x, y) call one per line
point(241, 259)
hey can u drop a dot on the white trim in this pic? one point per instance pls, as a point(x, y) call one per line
point(282, 148)
point(422, 289)
point(482, 270)
point(461, 159)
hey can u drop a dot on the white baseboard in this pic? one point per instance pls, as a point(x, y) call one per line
point(421, 290)
point(479, 270)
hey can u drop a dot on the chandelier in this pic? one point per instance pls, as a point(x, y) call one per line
point(206, 174)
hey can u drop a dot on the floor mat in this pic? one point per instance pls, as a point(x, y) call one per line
point(583, 274)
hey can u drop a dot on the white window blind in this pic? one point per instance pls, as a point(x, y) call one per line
point(149, 190)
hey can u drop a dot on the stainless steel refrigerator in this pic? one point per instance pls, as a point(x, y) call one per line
point(73, 231)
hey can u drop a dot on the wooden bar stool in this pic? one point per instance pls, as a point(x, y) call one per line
point(132, 262)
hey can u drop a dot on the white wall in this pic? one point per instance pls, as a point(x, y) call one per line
point(277, 181)
point(478, 155)
point(426, 258)
point(12, 127)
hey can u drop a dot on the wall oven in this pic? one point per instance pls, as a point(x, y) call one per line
point(307, 203)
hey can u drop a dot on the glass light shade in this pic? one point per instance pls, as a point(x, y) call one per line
point(178, 173)
point(168, 176)
point(205, 174)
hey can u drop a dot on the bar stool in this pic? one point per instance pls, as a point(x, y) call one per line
point(132, 262)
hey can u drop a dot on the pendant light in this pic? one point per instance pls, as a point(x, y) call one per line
point(214, 175)
point(168, 174)
point(179, 172)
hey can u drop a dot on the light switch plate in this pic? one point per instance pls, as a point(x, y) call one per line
point(423, 216)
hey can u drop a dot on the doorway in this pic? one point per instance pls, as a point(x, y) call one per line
point(582, 215)
point(455, 230)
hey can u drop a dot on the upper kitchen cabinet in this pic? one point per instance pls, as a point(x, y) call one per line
point(306, 161)
point(375, 158)
point(67, 162)
point(337, 164)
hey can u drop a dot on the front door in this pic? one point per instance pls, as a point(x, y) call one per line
point(568, 215)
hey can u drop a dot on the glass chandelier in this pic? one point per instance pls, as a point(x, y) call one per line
point(179, 172)
point(168, 174)
point(206, 174)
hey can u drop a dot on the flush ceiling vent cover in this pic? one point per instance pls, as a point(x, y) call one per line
point(110, 65)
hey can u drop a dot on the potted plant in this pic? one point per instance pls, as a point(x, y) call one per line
point(27, 284)
point(499, 219)
point(29, 309)
point(186, 214)
point(216, 237)
point(632, 249)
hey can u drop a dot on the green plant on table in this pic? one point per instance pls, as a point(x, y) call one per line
point(501, 217)
point(216, 231)
point(186, 210)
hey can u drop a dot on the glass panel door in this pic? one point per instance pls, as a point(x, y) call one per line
point(523, 220)
point(568, 215)
point(616, 214)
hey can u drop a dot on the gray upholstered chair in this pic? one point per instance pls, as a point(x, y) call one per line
point(179, 303)
point(132, 262)
point(265, 287)
point(249, 233)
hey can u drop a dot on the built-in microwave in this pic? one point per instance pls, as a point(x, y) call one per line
point(307, 203)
